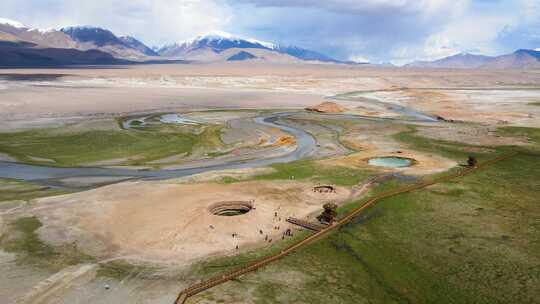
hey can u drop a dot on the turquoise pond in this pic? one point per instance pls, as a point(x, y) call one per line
point(391, 162)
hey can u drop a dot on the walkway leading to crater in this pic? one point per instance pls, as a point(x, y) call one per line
point(305, 224)
point(205, 285)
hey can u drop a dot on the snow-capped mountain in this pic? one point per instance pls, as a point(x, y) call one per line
point(89, 34)
point(76, 37)
point(213, 46)
point(21, 26)
point(90, 37)
point(12, 23)
point(136, 44)
point(216, 41)
point(23, 46)
point(207, 47)
point(45, 38)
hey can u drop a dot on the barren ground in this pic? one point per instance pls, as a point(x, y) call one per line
point(172, 222)
point(73, 94)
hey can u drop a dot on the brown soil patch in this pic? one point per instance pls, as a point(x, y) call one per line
point(327, 107)
point(170, 222)
point(285, 141)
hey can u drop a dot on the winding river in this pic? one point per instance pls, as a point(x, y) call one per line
point(306, 144)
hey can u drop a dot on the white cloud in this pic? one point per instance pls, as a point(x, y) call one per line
point(529, 10)
point(153, 21)
point(468, 33)
point(355, 6)
point(359, 59)
point(439, 45)
point(469, 29)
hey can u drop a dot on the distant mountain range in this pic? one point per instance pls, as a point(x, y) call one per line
point(137, 45)
point(210, 46)
point(97, 38)
point(520, 59)
point(22, 45)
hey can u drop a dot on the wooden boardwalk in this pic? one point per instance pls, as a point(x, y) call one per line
point(205, 285)
point(305, 224)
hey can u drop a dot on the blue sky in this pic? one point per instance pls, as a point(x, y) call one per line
point(398, 31)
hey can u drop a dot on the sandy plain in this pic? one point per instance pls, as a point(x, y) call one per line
point(174, 222)
point(74, 94)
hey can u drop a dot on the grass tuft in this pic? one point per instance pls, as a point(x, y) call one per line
point(311, 170)
point(22, 239)
point(12, 189)
point(132, 147)
point(121, 269)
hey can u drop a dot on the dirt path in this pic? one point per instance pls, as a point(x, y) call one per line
point(46, 290)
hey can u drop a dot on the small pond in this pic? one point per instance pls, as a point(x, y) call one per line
point(391, 162)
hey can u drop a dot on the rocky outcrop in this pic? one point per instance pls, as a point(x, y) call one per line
point(327, 107)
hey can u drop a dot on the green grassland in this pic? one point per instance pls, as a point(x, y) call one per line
point(11, 189)
point(311, 170)
point(471, 240)
point(531, 134)
point(452, 150)
point(67, 147)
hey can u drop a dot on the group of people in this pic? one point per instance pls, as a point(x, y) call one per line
point(267, 238)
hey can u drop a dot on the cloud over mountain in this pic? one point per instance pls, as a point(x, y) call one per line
point(380, 30)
